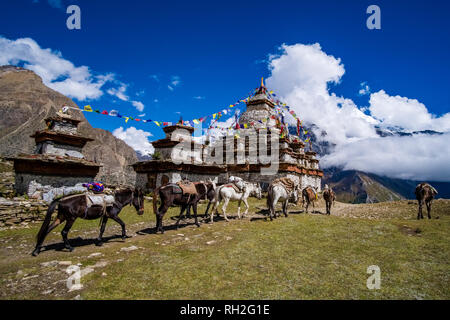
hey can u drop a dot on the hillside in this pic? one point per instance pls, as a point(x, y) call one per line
point(24, 104)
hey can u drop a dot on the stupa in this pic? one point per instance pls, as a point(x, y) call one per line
point(241, 152)
point(58, 166)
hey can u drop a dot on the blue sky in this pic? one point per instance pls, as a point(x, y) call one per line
point(212, 53)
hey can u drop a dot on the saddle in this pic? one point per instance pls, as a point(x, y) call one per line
point(287, 183)
point(234, 186)
point(187, 187)
point(103, 200)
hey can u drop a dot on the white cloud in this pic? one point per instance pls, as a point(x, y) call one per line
point(138, 105)
point(199, 98)
point(302, 76)
point(135, 138)
point(418, 157)
point(119, 92)
point(154, 77)
point(365, 89)
point(55, 71)
point(409, 114)
point(175, 81)
point(170, 88)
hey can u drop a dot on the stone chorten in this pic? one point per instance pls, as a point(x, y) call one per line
point(58, 166)
point(261, 115)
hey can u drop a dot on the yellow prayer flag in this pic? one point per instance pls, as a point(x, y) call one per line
point(87, 108)
point(195, 121)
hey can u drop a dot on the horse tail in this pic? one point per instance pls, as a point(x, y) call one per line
point(433, 189)
point(155, 200)
point(48, 217)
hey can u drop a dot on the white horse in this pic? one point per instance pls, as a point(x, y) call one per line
point(227, 193)
point(278, 192)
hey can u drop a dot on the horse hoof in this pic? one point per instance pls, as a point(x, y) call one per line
point(35, 253)
point(198, 225)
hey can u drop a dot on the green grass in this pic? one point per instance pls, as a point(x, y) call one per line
point(300, 257)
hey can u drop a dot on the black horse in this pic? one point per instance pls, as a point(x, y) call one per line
point(72, 207)
point(210, 195)
point(171, 194)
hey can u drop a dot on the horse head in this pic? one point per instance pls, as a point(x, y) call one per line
point(257, 190)
point(138, 201)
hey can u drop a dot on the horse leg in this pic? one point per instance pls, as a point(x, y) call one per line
point(188, 212)
point(122, 224)
point(214, 210)
point(183, 207)
point(429, 209)
point(246, 207)
point(285, 206)
point(420, 215)
point(65, 232)
point(194, 207)
point(102, 229)
point(224, 208)
point(239, 209)
point(159, 217)
point(59, 219)
point(207, 209)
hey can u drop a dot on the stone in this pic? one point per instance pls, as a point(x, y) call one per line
point(49, 263)
point(65, 263)
point(211, 242)
point(95, 254)
point(127, 249)
point(86, 271)
point(100, 264)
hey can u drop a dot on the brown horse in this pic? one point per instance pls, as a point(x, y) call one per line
point(425, 194)
point(171, 194)
point(329, 196)
point(210, 195)
point(309, 196)
point(72, 207)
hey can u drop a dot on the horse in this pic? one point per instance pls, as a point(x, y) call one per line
point(329, 196)
point(210, 195)
point(171, 194)
point(309, 195)
point(278, 191)
point(75, 206)
point(424, 194)
point(227, 192)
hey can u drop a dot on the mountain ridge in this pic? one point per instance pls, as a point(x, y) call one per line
point(24, 104)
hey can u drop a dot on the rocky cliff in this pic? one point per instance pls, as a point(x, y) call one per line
point(24, 104)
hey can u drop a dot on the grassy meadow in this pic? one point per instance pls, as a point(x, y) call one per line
point(304, 256)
